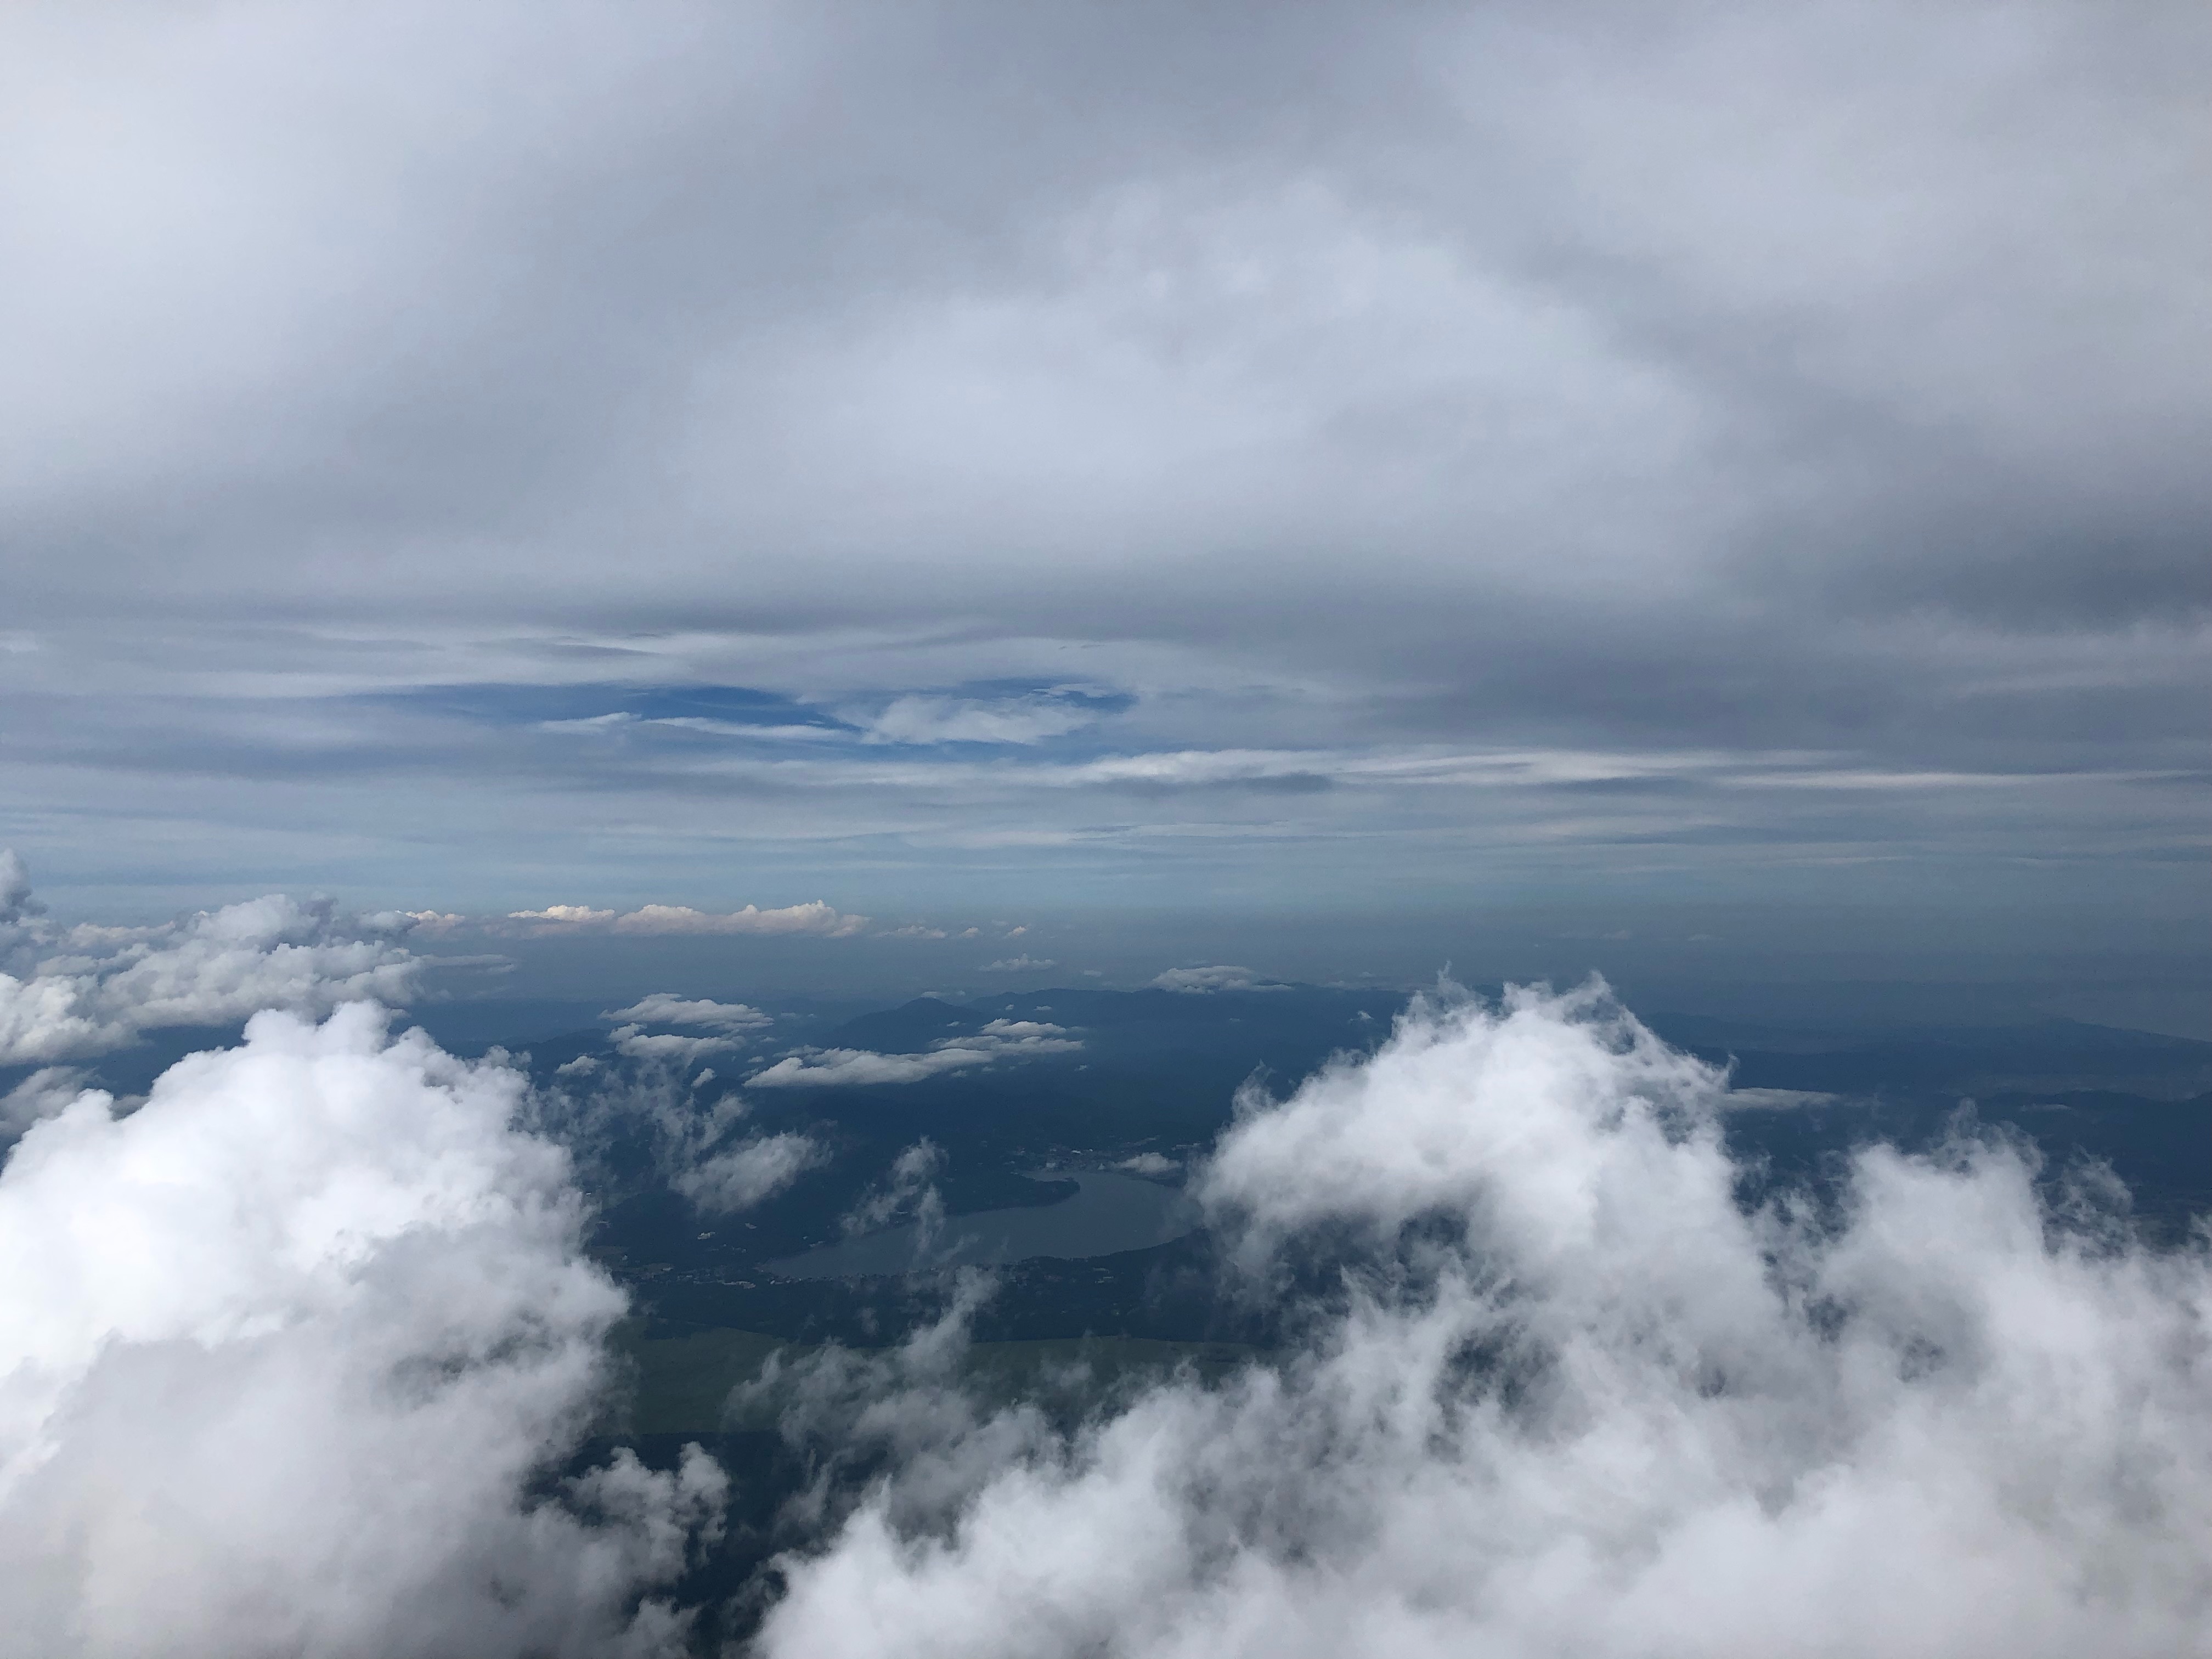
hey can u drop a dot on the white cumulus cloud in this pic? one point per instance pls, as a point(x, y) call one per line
point(1570, 1399)
point(70, 993)
point(827, 1067)
point(741, 1176)
point(666, 1008)
point(287, 1351)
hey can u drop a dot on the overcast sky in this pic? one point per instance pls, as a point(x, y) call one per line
point(1250, 456)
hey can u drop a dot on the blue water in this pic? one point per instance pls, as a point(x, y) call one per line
point(1108, 1213)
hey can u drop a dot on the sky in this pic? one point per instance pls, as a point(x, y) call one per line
point(1712, 470)
point(671, 509)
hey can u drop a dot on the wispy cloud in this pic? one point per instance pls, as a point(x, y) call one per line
point(816, 917)
point(1219, 977)
point(1001, 1039)
point(666, 1008)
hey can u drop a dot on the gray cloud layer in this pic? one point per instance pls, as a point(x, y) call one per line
point(1124, 439)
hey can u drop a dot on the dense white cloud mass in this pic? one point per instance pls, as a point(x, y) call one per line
point(1002, 1039)
point(284, 1352)
point(84, 990)
point(1574, 1402)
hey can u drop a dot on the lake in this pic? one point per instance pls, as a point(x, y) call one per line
point(1107, 1213)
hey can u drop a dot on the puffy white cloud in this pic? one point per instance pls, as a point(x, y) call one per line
point(287, 1351)
point(85, 990)
point(1020, 964)
point(1571, 1399)
point(830, 1068)
point(666, 1008)
point(825, 1068)
point(742, 1176)
point(733, 1022)
point(1221, 977)
point(815, 916)
point(1034, 1036)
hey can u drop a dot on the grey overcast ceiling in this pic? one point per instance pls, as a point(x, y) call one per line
point(1065, 442)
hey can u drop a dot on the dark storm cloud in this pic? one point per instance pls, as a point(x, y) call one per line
point(1801, 392)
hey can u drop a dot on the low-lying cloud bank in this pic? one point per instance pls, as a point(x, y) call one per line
point(1002, 1039)
point(1222, 977)
point(70, 993)
point(666, 1008)
point(816, 916)
point(290, 1351)
point(1569, 1399)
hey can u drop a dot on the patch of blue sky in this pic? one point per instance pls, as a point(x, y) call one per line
point(735, 706)
point(979, 714)
point(985, 713)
